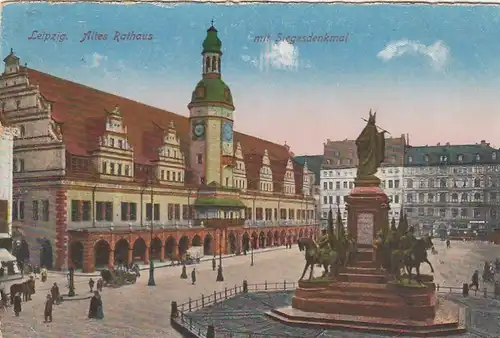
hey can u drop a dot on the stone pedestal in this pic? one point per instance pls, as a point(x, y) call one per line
point(368, 209)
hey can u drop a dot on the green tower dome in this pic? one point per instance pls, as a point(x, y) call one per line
point(211, 90)
point(212, 44)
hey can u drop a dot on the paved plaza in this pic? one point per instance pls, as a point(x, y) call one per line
point(142, 311)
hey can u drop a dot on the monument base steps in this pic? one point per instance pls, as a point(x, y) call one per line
point(382, 308)
point(444, 324)
point(362, 278)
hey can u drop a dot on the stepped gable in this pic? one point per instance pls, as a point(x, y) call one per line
point(82, 112)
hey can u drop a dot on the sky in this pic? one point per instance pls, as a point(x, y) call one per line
point(431, 72)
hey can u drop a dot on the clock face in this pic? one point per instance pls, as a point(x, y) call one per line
point(199, 129)
point(227, 131)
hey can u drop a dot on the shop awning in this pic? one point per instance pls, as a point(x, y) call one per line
point(6, 256)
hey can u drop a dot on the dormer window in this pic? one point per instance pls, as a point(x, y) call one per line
point(200, 92)
point(494, 156)
point(460, 158)
point(426, 158)
point(443, 158)
point(410, 159)
point(478, 157)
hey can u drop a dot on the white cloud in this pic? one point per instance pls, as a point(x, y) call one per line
point(438, 52)
point(95, 60)
point(281, 55)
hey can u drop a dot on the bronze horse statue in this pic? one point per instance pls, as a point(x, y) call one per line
point(418, 255)
point(316, 256)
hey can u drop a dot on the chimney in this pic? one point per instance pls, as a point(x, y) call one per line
point(439, 144)
point(483, 141)
point(447, 143)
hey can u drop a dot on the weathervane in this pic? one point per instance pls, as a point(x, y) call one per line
point(212, 22)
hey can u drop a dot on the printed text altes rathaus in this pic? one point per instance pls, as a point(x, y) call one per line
point(116, 36)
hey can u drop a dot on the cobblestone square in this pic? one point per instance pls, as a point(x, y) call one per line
point(141, 311)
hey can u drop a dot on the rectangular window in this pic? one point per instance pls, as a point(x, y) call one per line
point(127, 170)
point(344, 185)
point(259, 214)
point(337, 199)
point(35, 210)
point(86, 211)
point(337, 185)
point(124, 211)
point(396, 184)
point(325, 199)
point(275, 213)
point(75, 211)
point(21, 165)
point(104, 168)
point(133, 211)
point(283, 214)
point(330, 185)
point(177, 211)
point(99, 211)
point(112, 168)
point(45, 210)
point(199, 158)
point(330, 199)
point(170, 212)
point(119, 170)
point(396, 199)
point(391, 184)
point(291, 214)
point(248, 213)
point(109, 211)
point(156, 212)
point(21, 210)
point(15, 210)
point(148, 212)
point(325, 185)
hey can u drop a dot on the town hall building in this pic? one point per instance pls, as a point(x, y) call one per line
point(100, 179)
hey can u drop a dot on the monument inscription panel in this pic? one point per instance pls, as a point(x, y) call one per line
point(365, 228)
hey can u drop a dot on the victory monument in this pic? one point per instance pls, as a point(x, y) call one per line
point(371, 280)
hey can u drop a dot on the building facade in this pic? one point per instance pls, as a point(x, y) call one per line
point(101, 179)
point(313, 163)
point(7, 135)
point(452, 186)
point(338, 172)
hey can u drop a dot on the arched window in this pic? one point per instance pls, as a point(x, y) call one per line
point(214, 63)
point(207, 64)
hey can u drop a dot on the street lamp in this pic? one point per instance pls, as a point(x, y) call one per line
point(220, 277)
point(151, 281)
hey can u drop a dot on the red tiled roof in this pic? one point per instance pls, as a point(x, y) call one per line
point(82, 112)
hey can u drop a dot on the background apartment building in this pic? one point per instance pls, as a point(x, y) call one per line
point(452, 186)
point(313, 163)
point(338, 172)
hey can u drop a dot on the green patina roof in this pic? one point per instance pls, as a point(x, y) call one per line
point(215, 91)
point(218, 202)
point(455, 155)
point(313, 164)
point(212, 44)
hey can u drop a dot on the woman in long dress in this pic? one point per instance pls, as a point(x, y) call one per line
point(94, 305)
point(100, 311)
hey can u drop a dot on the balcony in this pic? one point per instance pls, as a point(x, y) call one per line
point(218, 222)
point(276, 223)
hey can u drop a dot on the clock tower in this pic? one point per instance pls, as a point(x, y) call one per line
point(211, 119)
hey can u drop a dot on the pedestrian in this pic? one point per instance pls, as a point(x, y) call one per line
point(48, 309)
point(184, 273)
point(193, 276)
point(214, 264)
point(91, 285)
point(43, 273)
point(54, 291)
point(100, 310)
point(100, 283)
point(475, 280)
point(95, 302)
point(17, 304)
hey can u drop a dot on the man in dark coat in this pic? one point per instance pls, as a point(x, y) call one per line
point(214, 264)
point(193, 276)
point(91, 285)
point(54, 291)
point(475, 280)
point(48, 309)
point(17, 304)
